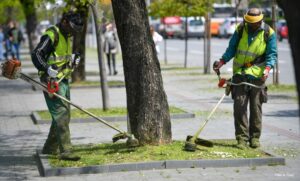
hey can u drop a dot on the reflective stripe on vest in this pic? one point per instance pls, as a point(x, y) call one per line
point(62, 53)
point(246, 54)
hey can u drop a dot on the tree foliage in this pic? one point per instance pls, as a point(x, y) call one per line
point(164, 8)
point(10, 10)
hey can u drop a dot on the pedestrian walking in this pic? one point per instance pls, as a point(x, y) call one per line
point(1, 44)
point(111, 48)
point(254, 49)
point(156, 38)
point(16, 37)
point(9, 53)
point(53, 59)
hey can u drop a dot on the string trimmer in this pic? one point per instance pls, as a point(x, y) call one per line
point(11, 69)
point(192, 141)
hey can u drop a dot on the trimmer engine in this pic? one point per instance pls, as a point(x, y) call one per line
point(11, 68)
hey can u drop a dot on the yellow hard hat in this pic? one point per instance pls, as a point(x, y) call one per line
point(253, 15)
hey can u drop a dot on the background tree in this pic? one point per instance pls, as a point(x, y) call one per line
point(28, 7)
point(102, 71)
point(147, 104)
point(9, 10)
point(79, 39)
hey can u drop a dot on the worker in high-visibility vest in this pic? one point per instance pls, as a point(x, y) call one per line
point(53, 59)
point(253, 48)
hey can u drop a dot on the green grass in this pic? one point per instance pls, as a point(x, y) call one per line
point(96, 83)
point(218, 113)
point(119, 153)
point(282, 88)
point(116, 111)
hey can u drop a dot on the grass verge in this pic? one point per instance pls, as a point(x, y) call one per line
point(109, 153)
point(282, 88)
point(116, 111)
point(97, 83)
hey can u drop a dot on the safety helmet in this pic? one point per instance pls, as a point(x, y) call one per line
point(75, 20)
point(253, 15)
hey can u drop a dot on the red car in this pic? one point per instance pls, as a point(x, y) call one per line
point(282, 30)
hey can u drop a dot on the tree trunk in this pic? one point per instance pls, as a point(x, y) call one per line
point(103, 78)
point(79, 47)
point(292, 16)
point(31, 22)
point(146, 99)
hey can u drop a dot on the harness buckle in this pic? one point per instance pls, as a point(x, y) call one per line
point(247, 65)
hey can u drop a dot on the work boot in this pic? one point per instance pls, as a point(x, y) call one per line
point(242, 144)
point(67, 155)
point(254, 143)
point(115, 72)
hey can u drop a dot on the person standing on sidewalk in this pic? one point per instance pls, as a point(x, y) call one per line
point(52, 57)
point(254, 49)
point(110, 48)
point(156, 38)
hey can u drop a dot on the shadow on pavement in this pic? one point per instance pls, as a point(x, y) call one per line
point(285, 113)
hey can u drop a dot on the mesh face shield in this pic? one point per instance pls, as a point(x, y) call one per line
point(75, 21)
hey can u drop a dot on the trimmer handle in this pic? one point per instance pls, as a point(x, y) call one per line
point(215, 65)
point(52, 86)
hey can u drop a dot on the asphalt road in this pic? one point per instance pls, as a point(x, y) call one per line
point(175, 55)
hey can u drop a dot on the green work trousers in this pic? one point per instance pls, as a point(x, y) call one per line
point(59, 134)
point(242, 95)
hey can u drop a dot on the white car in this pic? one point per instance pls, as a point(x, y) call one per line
point(195, 28)
point(228, 27)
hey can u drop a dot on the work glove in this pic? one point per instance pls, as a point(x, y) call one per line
point(75, 59)
point(52, 72)
point(218, 64)
point(266, 73)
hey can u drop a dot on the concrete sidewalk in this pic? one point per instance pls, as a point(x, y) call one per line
point(19, 137)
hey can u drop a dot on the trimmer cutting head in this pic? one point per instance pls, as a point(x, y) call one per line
point(131, 141)
point(200, 141)
point(190, 146)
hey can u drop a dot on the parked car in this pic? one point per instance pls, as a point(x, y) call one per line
point(228, 27)
point(195, 28)
point(282, 30)
point(170, 26)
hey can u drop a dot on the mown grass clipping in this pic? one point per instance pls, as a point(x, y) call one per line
point(102, 154)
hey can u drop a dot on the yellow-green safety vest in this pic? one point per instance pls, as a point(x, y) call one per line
point(62, 54)
point(245, 54)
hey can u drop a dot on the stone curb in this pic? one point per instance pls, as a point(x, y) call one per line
point(38, 120)
point(46, 170)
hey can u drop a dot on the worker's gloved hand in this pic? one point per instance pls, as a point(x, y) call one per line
point(218, 64)
point(52, 72)
point(75, 59)
point(266, 73)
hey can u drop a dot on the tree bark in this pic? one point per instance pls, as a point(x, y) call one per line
point(31, 22)
point(292, 16)
point(146, 99)
point(79, 47)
